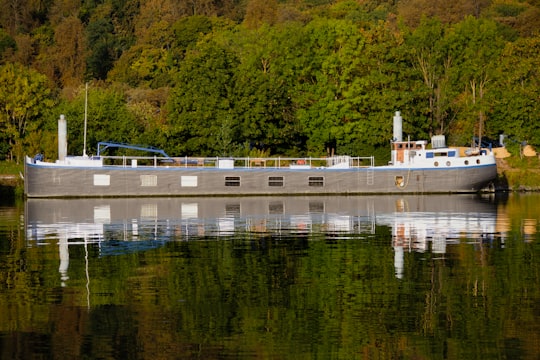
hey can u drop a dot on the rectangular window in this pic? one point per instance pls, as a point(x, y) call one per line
point(316, 181)
point(316, 207)
point(232, 180)
point(429, 155)
point(102, 180)
point(275, 181)
point(188, 181)
point(232, 210)
point(148, 180)
point(275, 208)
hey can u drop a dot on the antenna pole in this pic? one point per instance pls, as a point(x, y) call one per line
point(85, 117)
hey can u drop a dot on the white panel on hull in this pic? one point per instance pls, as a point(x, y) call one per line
point(149, 212)
point(190, 210)
point(102, 214)
point(102, 180)
point(148, 180)
point(188, 181)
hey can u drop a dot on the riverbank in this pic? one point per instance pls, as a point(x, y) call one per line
point(522, 175)
point(11, 186)
point(11, 182)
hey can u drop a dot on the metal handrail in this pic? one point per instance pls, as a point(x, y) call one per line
point(250, 162)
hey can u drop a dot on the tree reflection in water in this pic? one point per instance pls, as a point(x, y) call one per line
point(303, 277)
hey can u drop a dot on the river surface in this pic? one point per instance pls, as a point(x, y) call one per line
point(364, 277)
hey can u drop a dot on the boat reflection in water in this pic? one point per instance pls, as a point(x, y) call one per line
point(433, 230)
point(118, 226)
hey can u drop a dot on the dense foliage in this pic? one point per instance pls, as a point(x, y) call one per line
point(284, 77)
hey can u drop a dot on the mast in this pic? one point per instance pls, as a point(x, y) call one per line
point(85, 117)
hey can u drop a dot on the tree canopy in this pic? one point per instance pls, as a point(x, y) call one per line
point(285, 77)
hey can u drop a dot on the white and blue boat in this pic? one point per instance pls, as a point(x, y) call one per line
point(416, 167)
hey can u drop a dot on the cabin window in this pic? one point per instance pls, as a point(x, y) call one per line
point(429, 155)
point(452, 154)
point(317, 181)
point(275, 181)
point(188, 181)
point(275, 208)
point(232, 180)
point(316, 207)
point(148, 180)
point(232, 210)
point(102, 180)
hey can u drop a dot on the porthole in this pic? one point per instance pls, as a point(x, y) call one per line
point(466, 162)
point(448, 163)
point(478, 161)
point(436, 163)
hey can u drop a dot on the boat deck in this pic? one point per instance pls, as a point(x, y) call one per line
point(336, 162)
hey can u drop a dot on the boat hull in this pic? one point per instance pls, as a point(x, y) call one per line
point(111, 181)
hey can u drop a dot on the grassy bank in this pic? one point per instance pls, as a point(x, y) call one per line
point(10, 168)
point(519, 173)
point(11, 183)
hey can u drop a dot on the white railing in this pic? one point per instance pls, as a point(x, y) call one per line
point(341, 161)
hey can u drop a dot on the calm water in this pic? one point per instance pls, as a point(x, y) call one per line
point(419, 277)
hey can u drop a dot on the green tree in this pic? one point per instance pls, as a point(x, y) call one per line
point(102, 48)
point(384, 81)
point(424, 44)
point(201, 102)
point(515, 97)
point(36, 50)
point(197, 7)
point(110, 30)
point(321, 65)
point(24, 96)
point(108, 119)
point(474, 46)
point(351, 81)
point(187, 31)
point(259, 12)
point(448, 12)
point(7, 43)
point(148, 108)
point(23, 15)
point(262, 94)
point(154, 66)
point(69, 52)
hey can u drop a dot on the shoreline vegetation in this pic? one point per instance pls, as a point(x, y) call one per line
point(515, 173)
